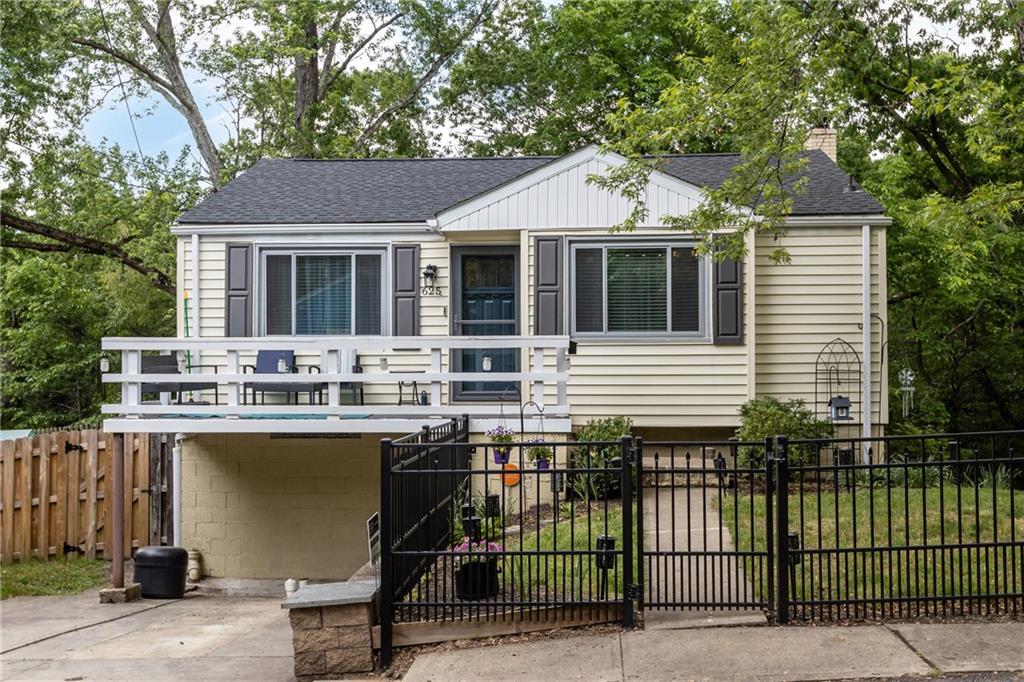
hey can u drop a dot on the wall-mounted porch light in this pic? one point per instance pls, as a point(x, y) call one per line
point(429, 275)
point(486, 363)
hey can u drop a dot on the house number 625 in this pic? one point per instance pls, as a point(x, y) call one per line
point(431, 291)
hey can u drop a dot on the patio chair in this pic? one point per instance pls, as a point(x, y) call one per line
point(269, 362)
point(168, 364)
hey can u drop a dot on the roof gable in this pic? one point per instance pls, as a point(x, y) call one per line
point(558, 195)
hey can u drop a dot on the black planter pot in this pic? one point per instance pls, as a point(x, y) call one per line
point(477, 579)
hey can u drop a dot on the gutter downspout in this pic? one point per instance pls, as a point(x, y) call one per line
point(866, 406)
point(179, 437)
point(176, 487)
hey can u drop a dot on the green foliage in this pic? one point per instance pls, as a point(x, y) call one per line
point(768, 416)
point(55, 307)
point(933, 128)
point(543, 77)
point(536, 452)
point(38, 578)
point(591, 486)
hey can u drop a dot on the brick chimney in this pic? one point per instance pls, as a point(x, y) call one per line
point(823, 138)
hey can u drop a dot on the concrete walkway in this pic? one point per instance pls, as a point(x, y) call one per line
point(195, 638)
point(686, 519)
point(740, 653)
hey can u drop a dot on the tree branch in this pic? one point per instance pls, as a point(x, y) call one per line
point(126, 59)
point(71, 241)
point(332, 74)
point(381, 118)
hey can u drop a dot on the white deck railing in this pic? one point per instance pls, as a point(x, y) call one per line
point(334, 352)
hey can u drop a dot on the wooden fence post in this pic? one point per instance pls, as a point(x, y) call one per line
point(43, 536)
point(117, 465)
point(7, 452)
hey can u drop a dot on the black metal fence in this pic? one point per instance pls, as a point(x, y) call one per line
point(823, 530)
point(900, 526)
point(520, 531)
point(698, 550)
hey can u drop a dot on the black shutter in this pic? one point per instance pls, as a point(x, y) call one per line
point(547, 302)
point(405, 290)
point(728, 297)
point(238, 290)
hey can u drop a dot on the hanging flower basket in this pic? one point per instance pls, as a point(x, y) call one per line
point(501, 439)
point(539, 454)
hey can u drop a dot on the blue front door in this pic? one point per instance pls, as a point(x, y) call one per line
point(486, 303)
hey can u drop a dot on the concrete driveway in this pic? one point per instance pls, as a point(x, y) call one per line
point(198, 637)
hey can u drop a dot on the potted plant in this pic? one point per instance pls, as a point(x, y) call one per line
point(539, 454)
point(502, 438)
point(476, 573)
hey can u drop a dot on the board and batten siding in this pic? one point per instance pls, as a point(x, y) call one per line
point(803, 305)
point(559, 196)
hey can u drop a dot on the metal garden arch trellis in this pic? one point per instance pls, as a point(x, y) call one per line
point(837, 374)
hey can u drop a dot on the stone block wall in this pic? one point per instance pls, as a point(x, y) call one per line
point(331, 641)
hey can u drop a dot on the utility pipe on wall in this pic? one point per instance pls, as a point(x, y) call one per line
point(176, 538)
point(866, 339)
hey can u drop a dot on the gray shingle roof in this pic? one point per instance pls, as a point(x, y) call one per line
point(290, 191)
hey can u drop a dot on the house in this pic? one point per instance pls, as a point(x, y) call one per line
point(391, 276)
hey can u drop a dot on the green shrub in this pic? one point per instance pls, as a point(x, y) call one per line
point(596, 485)
point(769, 416)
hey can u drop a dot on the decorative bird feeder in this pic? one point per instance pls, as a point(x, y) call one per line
point(839, 408)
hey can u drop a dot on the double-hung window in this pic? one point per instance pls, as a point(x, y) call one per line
point(638, 290)
point(323, 292)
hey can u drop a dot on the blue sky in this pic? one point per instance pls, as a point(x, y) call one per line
point(159, 126)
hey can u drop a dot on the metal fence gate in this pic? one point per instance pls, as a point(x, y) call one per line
point(705, 530)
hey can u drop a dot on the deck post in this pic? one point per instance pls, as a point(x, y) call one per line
point(117, 541)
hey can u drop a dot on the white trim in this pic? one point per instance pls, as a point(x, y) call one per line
point(393, 426)
point(866, 338)
point(838, 220)
point(195, 294)
point(261, 229)
point(702, 335)
point(368, 344)
point(472, 409)
point(294, 251)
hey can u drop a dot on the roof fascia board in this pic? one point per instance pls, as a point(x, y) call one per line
point(301, 228)
point(875, 219)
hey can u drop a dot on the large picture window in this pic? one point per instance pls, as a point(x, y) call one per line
point(322, 293)
point(637, 290)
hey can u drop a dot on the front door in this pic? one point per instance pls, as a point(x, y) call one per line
point(485, 303)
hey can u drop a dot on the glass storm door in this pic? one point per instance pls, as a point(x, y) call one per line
point(486, 303)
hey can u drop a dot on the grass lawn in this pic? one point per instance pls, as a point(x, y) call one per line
point(912, 561)
point(567, 577)
point(36, 578)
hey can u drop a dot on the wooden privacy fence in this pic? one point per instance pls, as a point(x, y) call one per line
point(56, 494)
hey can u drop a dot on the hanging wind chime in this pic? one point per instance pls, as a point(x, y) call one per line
point(906, 377)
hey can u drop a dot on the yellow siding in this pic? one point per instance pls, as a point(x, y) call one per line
point(656, 384)
point(803, 305)
point(693, 384)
